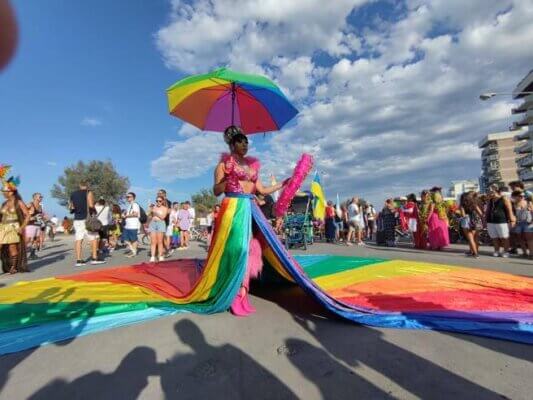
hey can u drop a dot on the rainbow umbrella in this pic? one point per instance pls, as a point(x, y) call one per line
point(216, 100)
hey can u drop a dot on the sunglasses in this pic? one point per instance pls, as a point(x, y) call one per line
point(159, 201)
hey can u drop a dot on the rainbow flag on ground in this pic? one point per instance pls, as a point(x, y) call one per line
point(370, 291)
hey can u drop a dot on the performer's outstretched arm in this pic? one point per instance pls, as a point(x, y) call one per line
point(269, 189)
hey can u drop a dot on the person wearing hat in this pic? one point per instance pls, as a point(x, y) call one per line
point(14, 217)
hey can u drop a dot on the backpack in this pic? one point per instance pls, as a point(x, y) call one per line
point(142, 215)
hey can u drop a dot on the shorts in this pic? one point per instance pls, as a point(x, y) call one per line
point(80, 231)
point(354, 225)
point(523, 227)
point(498, 231)
point(339, 226)
point(130, 235)
point(32, 231)
point(370, 224)
point(210, 229)
point(104, 232)
point(157, 226)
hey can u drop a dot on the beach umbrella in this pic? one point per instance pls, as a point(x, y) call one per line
point(221, 98)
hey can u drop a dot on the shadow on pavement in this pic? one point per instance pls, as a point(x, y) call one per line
point(362, 345)
point(215, 371)
point(126, 383)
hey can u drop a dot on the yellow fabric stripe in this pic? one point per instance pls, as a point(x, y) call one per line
point(276, 264)
point(176, 96)
point(385, 270)
point(203, 289)
point(53, 290)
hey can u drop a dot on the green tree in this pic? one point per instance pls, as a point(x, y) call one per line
point(101, 177)
point(204, 201)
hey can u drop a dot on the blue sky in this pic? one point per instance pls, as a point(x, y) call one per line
point(94, 62)
point(387, 89)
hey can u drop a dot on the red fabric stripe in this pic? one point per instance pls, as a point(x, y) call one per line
point(457, 300)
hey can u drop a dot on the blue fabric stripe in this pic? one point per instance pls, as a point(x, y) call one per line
point(277, 105)
point(35, 336)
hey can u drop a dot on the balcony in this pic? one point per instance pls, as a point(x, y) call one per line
point(527, 120)
point(523, 148)
point(490, 149)
point(522, 136)
point(489, 158)
point(491, 167)
point(526, 161)
point(494, 178)
point(526, 174)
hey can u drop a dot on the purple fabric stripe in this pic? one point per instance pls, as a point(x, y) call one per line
point(219, 117)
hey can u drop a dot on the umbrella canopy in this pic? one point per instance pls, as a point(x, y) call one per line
point(216, 100)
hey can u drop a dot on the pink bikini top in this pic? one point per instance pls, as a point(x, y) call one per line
point(234, 173)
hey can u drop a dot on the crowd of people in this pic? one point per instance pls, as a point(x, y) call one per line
point(504, 213)
point(166, 223)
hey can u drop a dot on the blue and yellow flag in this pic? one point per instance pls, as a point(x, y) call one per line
point(319, 200)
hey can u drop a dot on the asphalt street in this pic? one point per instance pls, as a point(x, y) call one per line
point(289, 349)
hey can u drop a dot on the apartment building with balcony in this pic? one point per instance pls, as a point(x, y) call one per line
point(524, 140)
point(498, 159)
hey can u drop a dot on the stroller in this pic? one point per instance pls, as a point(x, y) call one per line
point(298, 224)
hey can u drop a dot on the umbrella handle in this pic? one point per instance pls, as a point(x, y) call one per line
point(232, 103)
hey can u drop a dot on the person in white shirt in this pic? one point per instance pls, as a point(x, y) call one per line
point(173, 221)
point(103, 213)
point(132, 225)
point(355, 223)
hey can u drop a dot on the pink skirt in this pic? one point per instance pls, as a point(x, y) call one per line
point(438, 236)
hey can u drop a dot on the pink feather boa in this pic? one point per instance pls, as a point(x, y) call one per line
point(301, 171)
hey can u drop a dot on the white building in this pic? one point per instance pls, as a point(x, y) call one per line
point(524, 147)
point(459, 187)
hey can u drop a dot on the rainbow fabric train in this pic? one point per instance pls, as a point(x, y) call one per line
point(374, 292)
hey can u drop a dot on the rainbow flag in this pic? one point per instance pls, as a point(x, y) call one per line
point(371, 291)
point(319, 200)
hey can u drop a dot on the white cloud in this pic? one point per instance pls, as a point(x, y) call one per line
point(91, 121)
point(396, 108)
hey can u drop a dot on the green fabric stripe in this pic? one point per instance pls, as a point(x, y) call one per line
point(240, 229)
point(21, 315)
point(228, 75)
point(336, 264)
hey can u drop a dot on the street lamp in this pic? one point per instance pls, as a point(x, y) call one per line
point(490, 95)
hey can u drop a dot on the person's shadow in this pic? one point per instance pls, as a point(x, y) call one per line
point(333, 379)
point(217, 371)
point(125, 383)
point(415, 374)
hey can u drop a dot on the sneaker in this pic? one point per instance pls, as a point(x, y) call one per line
point(505, 255)
point(349, 244)
point(97, 262)
point(161, 258)
point(79, 263)
point(495, 254)
point(170, 252)
point(130, 255)
point(152, 259)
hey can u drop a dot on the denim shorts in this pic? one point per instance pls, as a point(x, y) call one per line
point(157, 226)
point(130, 235)
point(523, 227)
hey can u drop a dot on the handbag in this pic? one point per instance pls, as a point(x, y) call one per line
point(92, 223)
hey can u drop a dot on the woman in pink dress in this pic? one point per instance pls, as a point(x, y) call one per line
point(438, 235)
